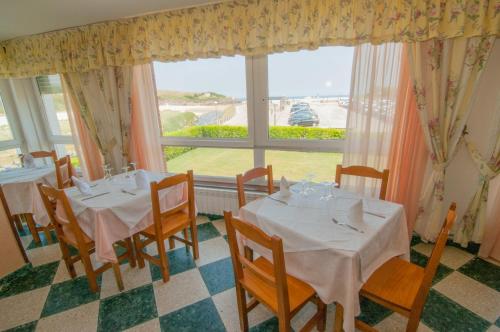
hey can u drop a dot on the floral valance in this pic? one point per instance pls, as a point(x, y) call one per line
point(247, 27)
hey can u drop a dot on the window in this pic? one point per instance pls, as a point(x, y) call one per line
point(223, 116)
point(57, 113)
point(9, 146)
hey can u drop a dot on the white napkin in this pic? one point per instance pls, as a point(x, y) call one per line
point(29, 161)
point(82, 185)
point(348, 210)
point(284, 188)
point(142, 179)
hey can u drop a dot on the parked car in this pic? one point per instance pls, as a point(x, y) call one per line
point(303, 118)
point(300, 107)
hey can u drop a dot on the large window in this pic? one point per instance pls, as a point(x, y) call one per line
point(9, 146)
point(57, 115)
point(223, 116)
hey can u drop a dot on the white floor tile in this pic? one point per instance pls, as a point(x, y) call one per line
point(397, 323)
point(22, 308)
point(62, 272)
point(452, 257)
point(471, 294)
point(43, 255)
point(82, 318)
point(181, 290)
point(202, 219)
point(132, 278)
point(220, 225)
point(227, 307)
point(213, 250)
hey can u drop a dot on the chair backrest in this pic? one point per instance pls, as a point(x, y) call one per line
point(433, 263)
point(42, 154)
point(364, 171)
point(240, 262)
point(64, 171)
point(250, 175)
point(168, 182)
point(52, 195)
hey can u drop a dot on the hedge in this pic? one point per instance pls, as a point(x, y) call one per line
point(275, 132)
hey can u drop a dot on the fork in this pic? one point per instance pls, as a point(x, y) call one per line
point(347, 225)
point(128, 192)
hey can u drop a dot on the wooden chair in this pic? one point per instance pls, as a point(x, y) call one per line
point(252, 174)
point(402, 286)
point(168, 223)
point(41, 154)
point(365, 172)
point(69, 233)
point(268, 282)
point(64, 171)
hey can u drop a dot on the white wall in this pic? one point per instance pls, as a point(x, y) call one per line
point(483, 124)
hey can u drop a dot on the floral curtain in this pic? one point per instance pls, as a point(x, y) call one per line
point(248, 27)
point(445, 74)
point(471, 227)
point(370, 118)
point(104, 100)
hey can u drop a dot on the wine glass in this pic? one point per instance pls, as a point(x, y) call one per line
point(107, 171)
point(125, 170)
point(133, 165)
point(327, 191)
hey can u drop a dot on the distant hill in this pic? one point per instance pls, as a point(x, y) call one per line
point(191, 97)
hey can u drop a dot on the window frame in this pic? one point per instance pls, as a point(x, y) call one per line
point(8, 103)
point(258, 140)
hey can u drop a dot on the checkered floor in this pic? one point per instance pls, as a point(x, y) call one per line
point(200, 295)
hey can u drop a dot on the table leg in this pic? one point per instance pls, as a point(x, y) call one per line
point(339, 317)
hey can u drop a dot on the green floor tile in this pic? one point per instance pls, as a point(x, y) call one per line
point(43, 241)
point(179, 260)
point(28, 327)
point(497, 322)
point(218, 276)
point(482, 271)
point(211, 217)
point(27, 278)
point(127, 309)
point(206, 231)
point(270, 325)
point(421, 260)
point(443, 314)
point(200, 316)
point(372, 313)
point(69, 294)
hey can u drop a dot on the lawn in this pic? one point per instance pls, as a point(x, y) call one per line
point(229, 162)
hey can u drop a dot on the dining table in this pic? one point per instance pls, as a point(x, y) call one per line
point(335, 258)
point(19, 186)
point(117, 209)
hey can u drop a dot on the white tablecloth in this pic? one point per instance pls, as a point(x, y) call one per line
point(333, 259)
point(21, 192)
point(116, 215)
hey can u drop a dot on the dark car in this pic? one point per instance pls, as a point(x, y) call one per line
point(300, 107)
point(303, 118)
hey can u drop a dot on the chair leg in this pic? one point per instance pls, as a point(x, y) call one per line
point(194, 240)
point(67, 259)
point(48, 236)
point(130, 250)
point(339, 317)
point(18, 223)
point(118, 275)
point(321, 325)
point(32, 227)
point(89, 270)
point(138, 250)
point(171, 243)
point(163, 259)
point(185, 233)
point(242, 307)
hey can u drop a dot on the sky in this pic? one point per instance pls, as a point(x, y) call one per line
point(322, 72)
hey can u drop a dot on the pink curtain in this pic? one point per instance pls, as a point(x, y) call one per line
point(90, 157)
point(408, 153)
point(145, 145)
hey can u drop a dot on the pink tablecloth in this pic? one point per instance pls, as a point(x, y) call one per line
point(117, 215)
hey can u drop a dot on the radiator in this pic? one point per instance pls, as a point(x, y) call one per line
point(216, 200)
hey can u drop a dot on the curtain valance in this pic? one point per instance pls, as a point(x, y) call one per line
point(247, 27)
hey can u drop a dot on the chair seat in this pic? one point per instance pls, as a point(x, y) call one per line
point(396, 282)
point(69, 236)
point(170, 225)
point(298, 291)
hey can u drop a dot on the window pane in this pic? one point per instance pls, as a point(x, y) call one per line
point(53, 99)
point(5, 131)
point(203, 98)
point(309, 93)
point(10, 158)
point(296, 165)
point(208, 161)
point(68, 149)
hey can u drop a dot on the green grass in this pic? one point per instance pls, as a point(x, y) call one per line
point(229, 162)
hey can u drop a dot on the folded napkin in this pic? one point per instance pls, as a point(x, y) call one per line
point(348, 211)
point(82, 185)
point(142, 179)
point(284, 188)
point(29, 161)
